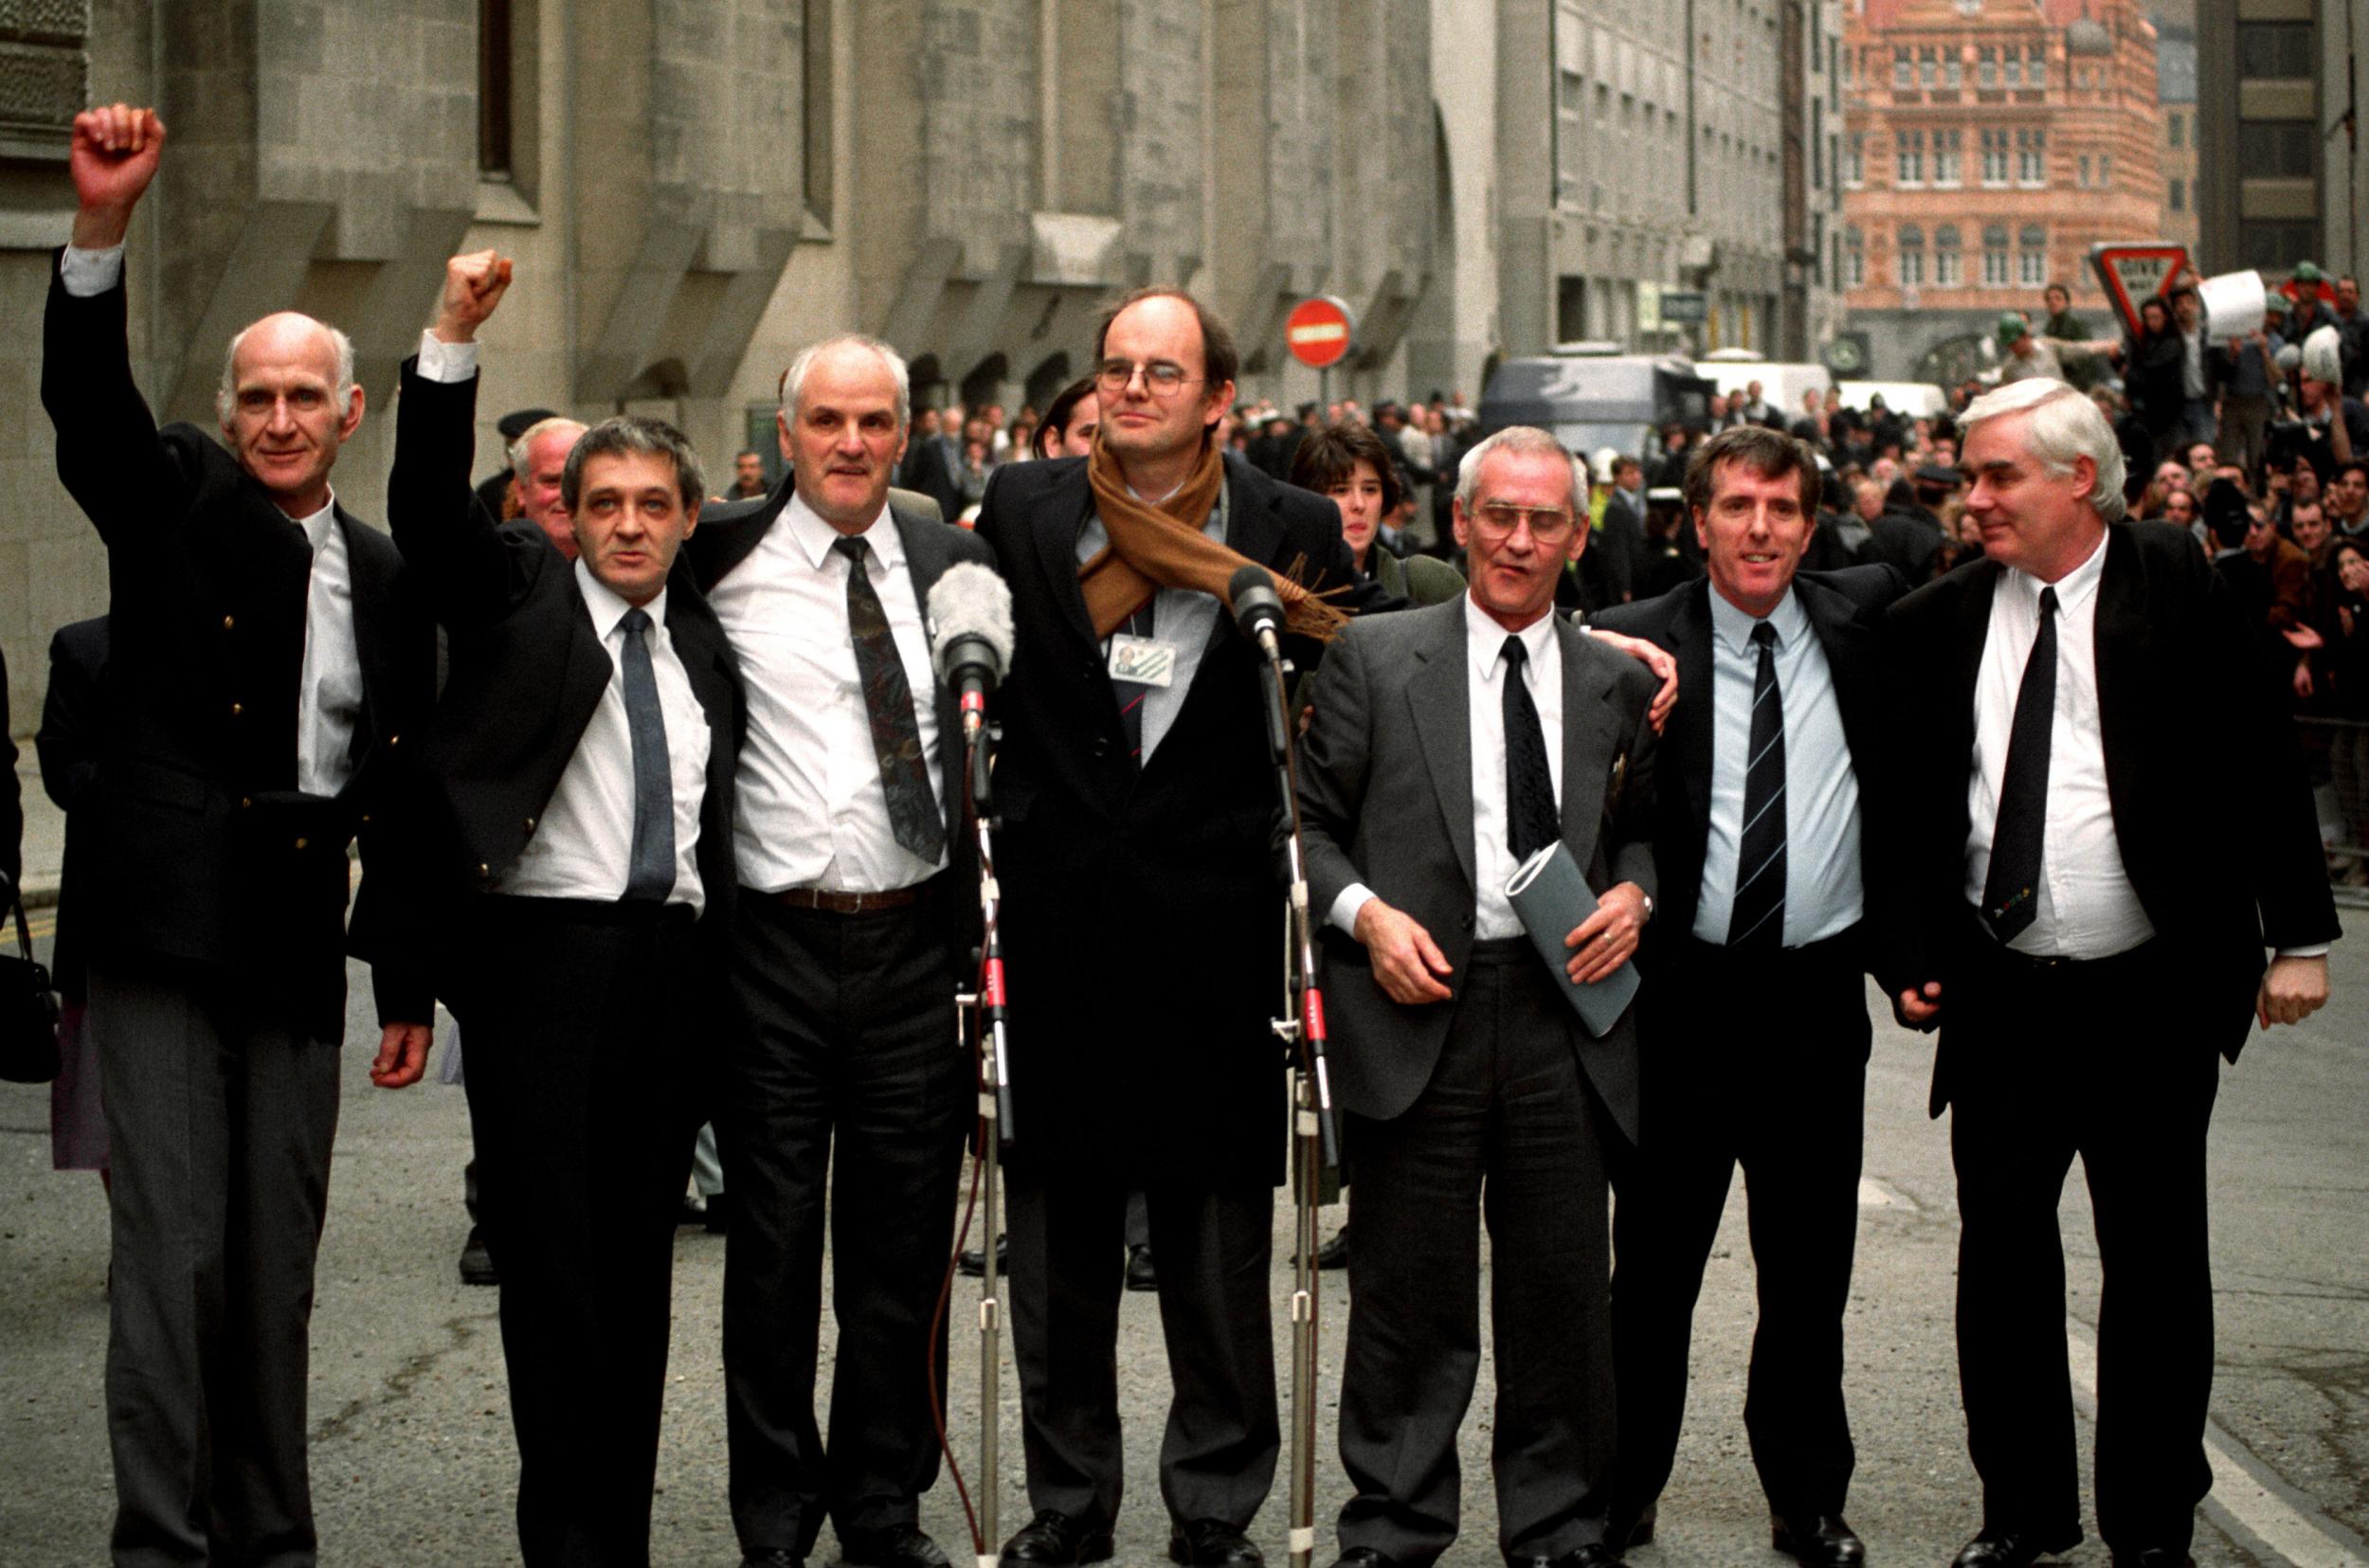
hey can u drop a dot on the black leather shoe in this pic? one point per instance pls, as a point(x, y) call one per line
point(1334, 1253)
point(1141, 1275)
point(1213, 1543)
point(772, 1557)
point(1590, 1556)
point(1623, 1532)
point(974, 1259)
point(1363, 1557)
point(1822, 1539)
point(476, 1264)
point(898, 1546)
point(2155, 1557)
point(1056, 1537)
point(2007, 1549)
point(719, 1214)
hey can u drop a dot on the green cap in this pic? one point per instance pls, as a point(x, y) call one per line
point(2307, 273)
point(2011, 328)
point(2275, 303)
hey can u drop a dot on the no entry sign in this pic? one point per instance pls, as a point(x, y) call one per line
point(1317, 331)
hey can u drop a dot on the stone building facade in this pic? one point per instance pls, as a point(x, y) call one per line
point(2282, 174)
point(2175, 136)
point(1988, 147)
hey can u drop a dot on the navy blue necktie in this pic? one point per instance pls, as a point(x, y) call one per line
point(650, 871)
point(2010, 900)
point(1531, 819)
point(1757, 920)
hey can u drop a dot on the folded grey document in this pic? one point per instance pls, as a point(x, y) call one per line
point(1552, 898)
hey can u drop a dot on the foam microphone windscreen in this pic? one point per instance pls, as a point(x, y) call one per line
point(969, 604)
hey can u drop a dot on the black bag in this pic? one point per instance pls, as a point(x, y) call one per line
point(28, 1014)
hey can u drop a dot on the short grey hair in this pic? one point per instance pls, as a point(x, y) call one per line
point(1527, 439)
point(522, 449)
point(2064, 426)
point(633, 433)
point(227, 395)
point(794, 379)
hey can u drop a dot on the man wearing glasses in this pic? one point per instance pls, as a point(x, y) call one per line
point(1453, 743)
point(1142, 922)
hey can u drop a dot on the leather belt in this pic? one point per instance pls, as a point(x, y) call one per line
point(849, 902)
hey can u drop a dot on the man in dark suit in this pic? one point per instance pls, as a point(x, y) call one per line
point(1449, 744)
point(576, 822)
point(1140, 918)
point(1754, 907)
point(267, 657)
point(857, 898)
point(2062, 707)
point(930, 468)
point(68, 744)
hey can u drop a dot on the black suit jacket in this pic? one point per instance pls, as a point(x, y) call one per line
point(1845, 611)
point(926, 468)
point(527, 672)
point(2180, 684)
point(202, 851)
point(730, 533)
point(1142, 916)
point(71, 724)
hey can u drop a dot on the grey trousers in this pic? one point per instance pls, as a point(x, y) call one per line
point(220, 1125)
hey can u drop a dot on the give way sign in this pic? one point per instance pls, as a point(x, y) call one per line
point(2133, 271)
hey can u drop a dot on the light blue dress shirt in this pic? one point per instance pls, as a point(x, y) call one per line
point(1822, 889)
point(1184, 616)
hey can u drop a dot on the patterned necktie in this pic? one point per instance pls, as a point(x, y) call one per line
point(895, 736)
point(1531, 822)
point(1132, 694)
point(650, 870)
point(2008, 891)
point(1757, 920)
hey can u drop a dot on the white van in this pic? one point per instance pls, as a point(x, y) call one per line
point(1909, 399)
point(1781, 382)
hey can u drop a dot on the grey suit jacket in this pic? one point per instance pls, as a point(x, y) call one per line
point(1386, 790)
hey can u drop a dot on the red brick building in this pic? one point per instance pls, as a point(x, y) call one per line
point(1986, 146)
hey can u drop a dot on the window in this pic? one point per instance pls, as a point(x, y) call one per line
point(2013, 65)
point(1953, 71)
point(1912, 266)
point(2031, 264)
point(2035, 65)
point(493, 114)
point(1570, 146)
point(1904, 69)
point(2175, 130)
point(2277, 49)
point(1986, 67)
point(2082, 178)
point(1854, 160)
point(1908, 158)
point(1995, 145)
point(2106, 170)
point(1948, 158)
point(2032, 157)
point(2276, 147)
point(1949, 269)
point(2176, 194)
point(1854, 259)
point(1926, 67)
point(1995, 255)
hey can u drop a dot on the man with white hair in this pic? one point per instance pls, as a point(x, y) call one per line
point(267, 658)
point(2067, 705)
point(856, 904)
point(538, 461)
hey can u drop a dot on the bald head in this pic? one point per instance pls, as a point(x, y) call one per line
point(287, 404)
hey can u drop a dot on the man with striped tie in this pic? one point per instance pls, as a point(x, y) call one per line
point(1755, 1027)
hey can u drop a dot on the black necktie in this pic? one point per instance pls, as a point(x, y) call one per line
point(1758, 918)
point(650, 869)
point(2009, 892)
point(895, 736)
point(1531, 822)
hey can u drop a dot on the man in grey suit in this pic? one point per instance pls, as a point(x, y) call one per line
point(1450, 743)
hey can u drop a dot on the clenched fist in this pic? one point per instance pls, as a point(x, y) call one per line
point(474, 285)
point(114, 156)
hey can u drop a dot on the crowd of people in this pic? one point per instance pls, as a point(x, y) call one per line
point(662, 796)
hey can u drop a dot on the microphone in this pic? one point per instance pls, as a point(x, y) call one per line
point(971, 635)
point(1257, 608)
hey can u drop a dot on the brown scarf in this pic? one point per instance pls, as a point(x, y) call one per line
point(1162, 547)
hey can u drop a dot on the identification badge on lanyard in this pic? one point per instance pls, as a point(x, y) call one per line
point(1144, 660)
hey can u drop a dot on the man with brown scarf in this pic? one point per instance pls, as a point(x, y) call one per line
point(1141, 918)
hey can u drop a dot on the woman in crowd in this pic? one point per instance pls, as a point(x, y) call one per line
point(1068, 427)
point(1349, 463)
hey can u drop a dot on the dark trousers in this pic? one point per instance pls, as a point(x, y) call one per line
point(1759, 1062)
point(583, 1072)
point(2105, 1060)
point(219, 1124)
point(847, 1083)
point(1508, 1130)
point(1212, 1246)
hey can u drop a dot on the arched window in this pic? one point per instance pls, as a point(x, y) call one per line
point(1949, 267)
point(1994, 273)
point(2031, 256)
point(1912, 256)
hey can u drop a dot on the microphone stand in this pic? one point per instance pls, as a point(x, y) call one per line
point(1315, 1139)
point(986, 1008)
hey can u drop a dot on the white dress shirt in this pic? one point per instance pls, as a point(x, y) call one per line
point(1494, 861)
point(329, 689)
point(811, 812)
point(1183, 618)
point(2086, 906)
point(1823, 893)
point(583, 848)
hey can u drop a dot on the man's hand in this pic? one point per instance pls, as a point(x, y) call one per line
point(113, 156)
point(1665, 668)
point(1607, 939)
point(402, 1055)
point(474, 285)
point(1919, 1008)
point(1408, 964)
point(2293, 990)
point(2302, 682)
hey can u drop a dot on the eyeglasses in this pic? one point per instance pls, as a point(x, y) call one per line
point(1161, 377)
point(1498, 519)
